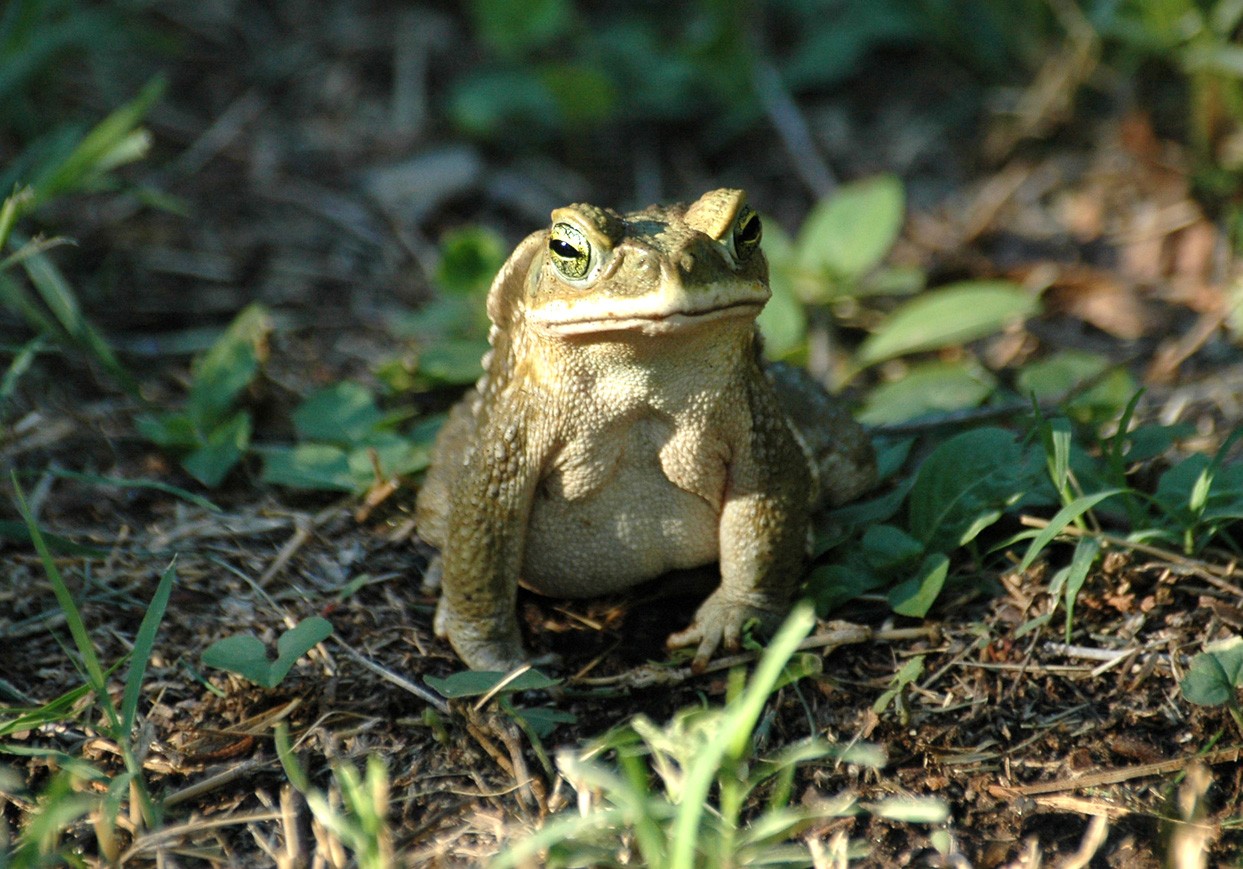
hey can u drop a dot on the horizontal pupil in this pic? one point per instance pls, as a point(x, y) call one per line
point(563, 249)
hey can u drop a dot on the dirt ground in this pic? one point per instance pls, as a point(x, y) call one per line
point(308, 187)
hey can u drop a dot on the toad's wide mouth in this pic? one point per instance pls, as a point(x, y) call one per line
point(663, 323)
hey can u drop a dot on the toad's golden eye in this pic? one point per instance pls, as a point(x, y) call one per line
point(570, 250)
point(747, 233)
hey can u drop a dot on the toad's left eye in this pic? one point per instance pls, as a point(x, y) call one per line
point(571, 251)
point(747, 233)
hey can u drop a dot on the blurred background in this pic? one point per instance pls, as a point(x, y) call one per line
point(324, 158)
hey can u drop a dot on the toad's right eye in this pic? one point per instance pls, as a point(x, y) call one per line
point(570, 250)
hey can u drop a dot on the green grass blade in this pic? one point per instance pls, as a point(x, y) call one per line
point(12, 206)
point(19, 366)
point(143, 644)
point(108, 144)
point(736, 731)
point(73, 617)
point(126, 483)
point(1064, 517)
point(56, 293)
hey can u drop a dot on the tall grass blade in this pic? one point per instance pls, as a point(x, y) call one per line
point(73, 616)
point(1058, 523)
point(736, 730)
point(144, 642)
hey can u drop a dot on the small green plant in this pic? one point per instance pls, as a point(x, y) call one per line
point(709, 776)
point(246, 655)
point(347, 444)
point(353, 815)
point(1215, 676)
point(538, 721)
point(837, 261)
point(450, 331)
point(212, 434)
point(63, 805)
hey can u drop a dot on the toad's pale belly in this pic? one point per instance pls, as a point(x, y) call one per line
point(634, 527)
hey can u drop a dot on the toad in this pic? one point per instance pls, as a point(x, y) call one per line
point(627, 426)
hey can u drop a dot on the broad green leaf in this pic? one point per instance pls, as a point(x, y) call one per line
point(783, 322)
point(453, 361)
point(585, 95)
point(888, 548)
point(470, 257)
point(169, 430)
point(915, 596)
point(225, 446)
point(966, 485)
point(832, 585)
point(513, 27)
point(1215, 674)
point(927, 388)
point(1058, 376)
point(947, 316)
point(544, 719)
point(220, 374)
point(849, 232)
point(245, 655)
point(344, 413)
point(308, 466)
point(476, 683)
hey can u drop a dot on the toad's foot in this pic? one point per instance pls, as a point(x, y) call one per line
point(494, 645)
point(720, 620)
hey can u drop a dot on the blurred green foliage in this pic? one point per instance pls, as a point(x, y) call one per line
point(553, 66)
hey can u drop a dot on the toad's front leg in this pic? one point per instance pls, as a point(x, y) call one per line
point(488, 516)
point(763, 540)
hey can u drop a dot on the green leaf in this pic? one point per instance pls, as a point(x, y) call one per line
point(907, 675)
point(513, 27)
point(544, 719)
point(849, 233)
point(585, 95)
point(225, 446)
point(453, 361)
point(782, 322)
point(220, 374)
point(832, 585)
point(947, 316)
point(174, 431)
point(476, 683)
point(470, 257)
point(308, 466)
point(927, 388)
point(915, 596)
point(966, 485)
point(1057, 376)
point(245, 655)
point(888, 548)
point(1215, 674)
point(344, 413)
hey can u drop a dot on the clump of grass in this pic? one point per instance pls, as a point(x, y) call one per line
point(63, 802)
